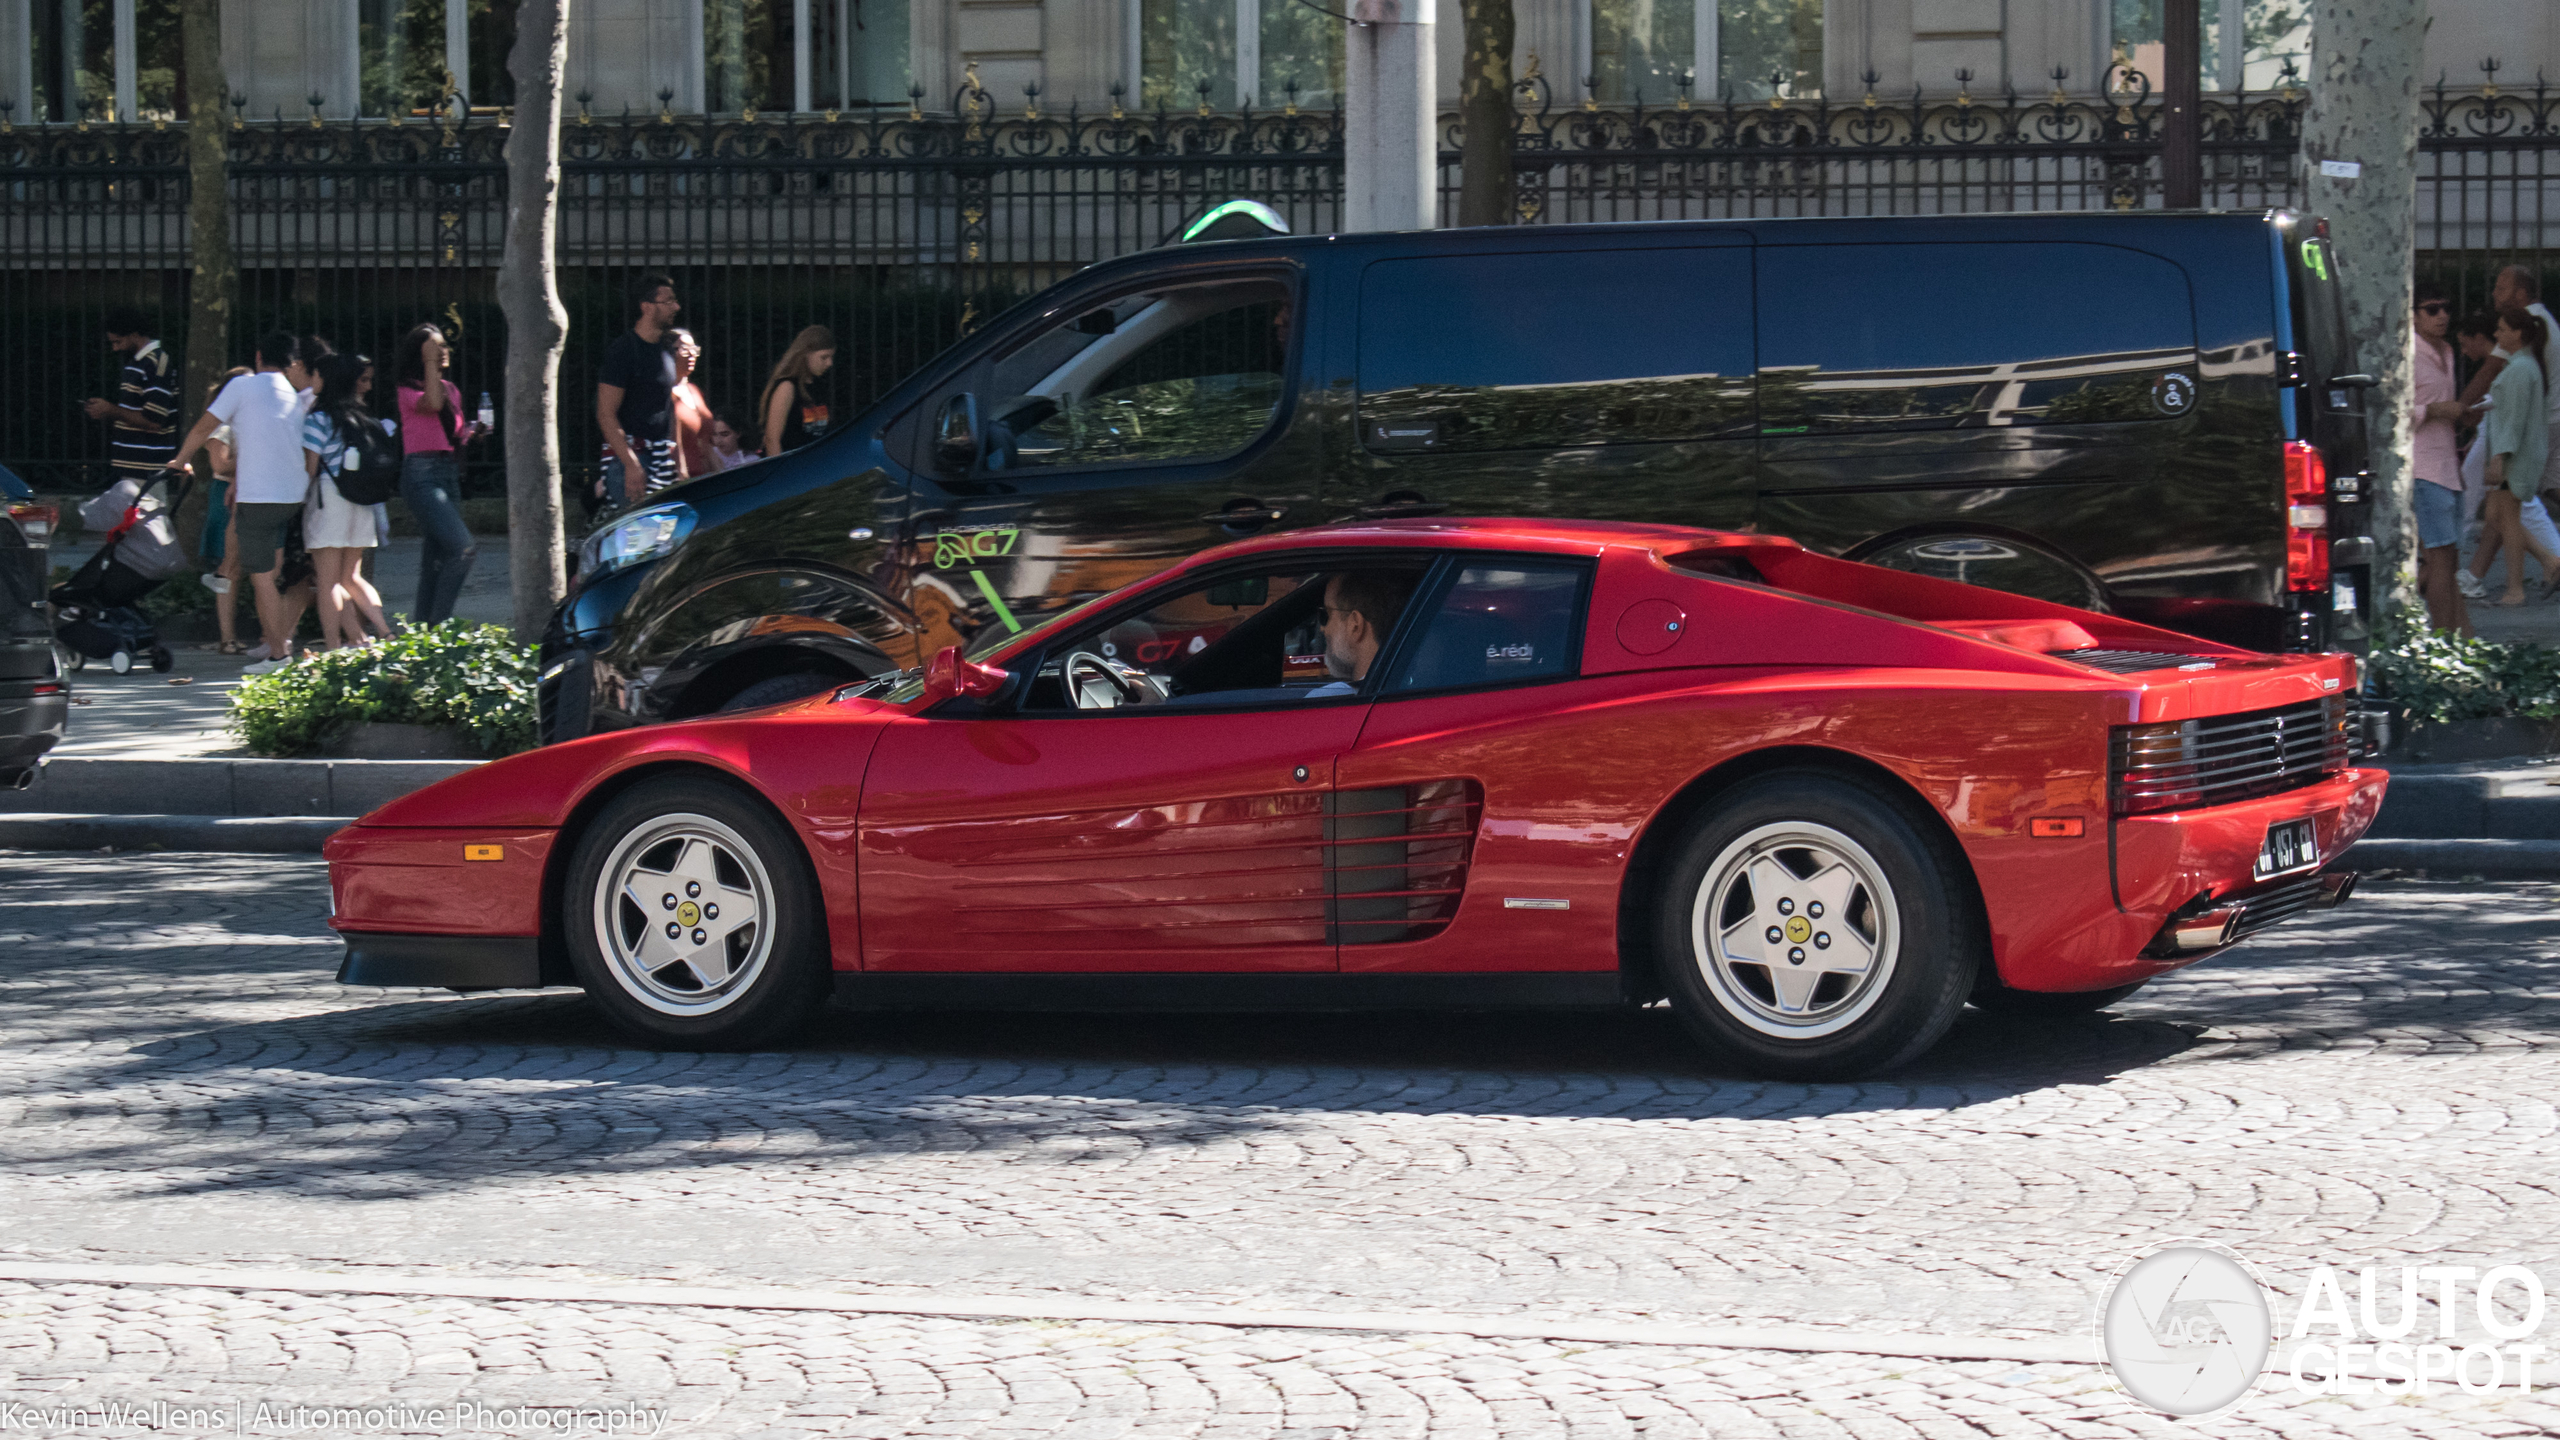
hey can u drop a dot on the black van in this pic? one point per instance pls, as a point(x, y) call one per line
point(2152, 414)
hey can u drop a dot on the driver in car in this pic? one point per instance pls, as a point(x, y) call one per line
point(1360, 606)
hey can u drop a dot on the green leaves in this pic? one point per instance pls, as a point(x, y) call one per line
point(472, 678)
point(2439, 676)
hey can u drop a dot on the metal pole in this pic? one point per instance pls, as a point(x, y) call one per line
point(1391, 157)
point(2181, 124)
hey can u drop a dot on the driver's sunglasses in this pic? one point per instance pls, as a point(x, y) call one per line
point(2434, 307)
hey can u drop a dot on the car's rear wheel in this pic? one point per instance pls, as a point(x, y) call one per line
point(1811, 928)
point(778, 689)
point(2001, 1000)
point(693, 919)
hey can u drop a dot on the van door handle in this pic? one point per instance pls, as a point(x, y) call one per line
point(1401, 505)
point(1244, 515)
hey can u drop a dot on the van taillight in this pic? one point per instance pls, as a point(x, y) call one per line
point(2306, 518)
point(35, 522)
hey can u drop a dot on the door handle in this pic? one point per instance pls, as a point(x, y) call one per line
point(1244, 515)
point(1401, 505)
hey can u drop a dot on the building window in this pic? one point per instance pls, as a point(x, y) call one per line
point(2247, 43)
point(77, 70)
point(1754, 49)
point(400, 55)
point(1248, 52)
point(491, 33)
point(803, 54)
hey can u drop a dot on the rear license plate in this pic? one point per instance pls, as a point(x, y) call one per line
point(2289, 846)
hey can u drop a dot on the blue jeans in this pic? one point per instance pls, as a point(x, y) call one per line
point(432, 484)
point(2439, 514)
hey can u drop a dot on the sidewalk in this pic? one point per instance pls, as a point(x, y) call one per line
point(150, 716)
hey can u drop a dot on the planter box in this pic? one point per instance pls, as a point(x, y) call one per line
point(2451, 742)
point(403, 742)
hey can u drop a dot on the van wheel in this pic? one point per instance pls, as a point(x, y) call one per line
point(778, 689)
point(2001, 1000)
point(693, 919)
point(1811, 929)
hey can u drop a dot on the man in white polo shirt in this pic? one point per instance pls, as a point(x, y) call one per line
point(264, 412)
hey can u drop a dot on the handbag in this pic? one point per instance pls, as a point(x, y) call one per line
point(368, 469)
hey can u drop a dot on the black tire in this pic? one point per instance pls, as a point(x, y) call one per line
point(1860, 961)
point(780, 689)
point(2001, 1000)
point(723, 983)
point(161, 659)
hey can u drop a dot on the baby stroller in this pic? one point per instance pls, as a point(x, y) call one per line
point(93, 614)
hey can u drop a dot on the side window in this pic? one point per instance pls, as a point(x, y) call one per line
point(1921, 337)
point(1540, 352)
point(1184, 373)
point(1505, 622)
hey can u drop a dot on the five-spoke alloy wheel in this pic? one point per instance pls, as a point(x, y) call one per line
point(693, 919)
point(1813, 927)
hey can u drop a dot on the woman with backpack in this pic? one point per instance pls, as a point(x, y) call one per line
point(353, 468)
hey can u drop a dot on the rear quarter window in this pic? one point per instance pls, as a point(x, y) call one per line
point(1903, 337)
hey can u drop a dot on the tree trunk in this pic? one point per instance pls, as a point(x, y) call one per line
point(1485, 115)
point(213, 290)
point(537, 324)
point(2360, 157)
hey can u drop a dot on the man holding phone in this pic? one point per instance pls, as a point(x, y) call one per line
point(145, 410)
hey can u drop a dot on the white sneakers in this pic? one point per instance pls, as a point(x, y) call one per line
point(215, 583)
point(2469, 584)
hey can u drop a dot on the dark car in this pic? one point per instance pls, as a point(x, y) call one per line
point(2150, 415)
point(33, 700)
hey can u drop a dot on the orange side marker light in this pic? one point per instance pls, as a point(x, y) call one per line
point(499, 852)
point(2055, 828)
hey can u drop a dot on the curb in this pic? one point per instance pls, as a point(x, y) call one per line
point(2519, 859)
point(252, 835)
point(98, 786)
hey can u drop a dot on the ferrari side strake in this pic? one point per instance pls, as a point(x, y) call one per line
point(1819, 806)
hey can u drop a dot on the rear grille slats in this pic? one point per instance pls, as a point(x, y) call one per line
point(2224, 758)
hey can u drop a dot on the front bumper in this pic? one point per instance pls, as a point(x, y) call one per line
point(446, 962)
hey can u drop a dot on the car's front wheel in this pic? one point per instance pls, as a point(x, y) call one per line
point(693, 919)
point(1812, 929)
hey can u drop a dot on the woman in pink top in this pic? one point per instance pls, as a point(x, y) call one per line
point(431, 435)
point(2436, 475)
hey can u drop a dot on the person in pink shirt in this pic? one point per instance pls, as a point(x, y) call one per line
point(2435, 406)
point(432, 433)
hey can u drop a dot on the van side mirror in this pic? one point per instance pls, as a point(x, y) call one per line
point(955, 433)
point(950, 673)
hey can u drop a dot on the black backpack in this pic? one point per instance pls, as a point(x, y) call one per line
point(368, 468)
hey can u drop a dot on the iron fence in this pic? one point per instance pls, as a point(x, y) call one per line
point(903, 230)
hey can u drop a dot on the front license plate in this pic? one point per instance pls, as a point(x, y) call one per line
point(2289, 846)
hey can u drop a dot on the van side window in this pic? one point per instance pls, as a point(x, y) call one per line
point(1504, 622)
point(1540, 351)
point(1930, 337)
point(1184, 373)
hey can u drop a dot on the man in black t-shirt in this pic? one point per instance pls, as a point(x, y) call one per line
point(635, 404)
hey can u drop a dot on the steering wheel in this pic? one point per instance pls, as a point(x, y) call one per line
point(1094, 682)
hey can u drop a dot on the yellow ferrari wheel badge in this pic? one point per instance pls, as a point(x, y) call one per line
point(687, 913)
point(1799, 929)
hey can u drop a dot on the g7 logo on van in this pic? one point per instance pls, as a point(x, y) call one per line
point(963, 547)
point(2174, 393)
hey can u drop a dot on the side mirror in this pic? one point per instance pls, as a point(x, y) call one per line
point(951, 673)
point(955, 433)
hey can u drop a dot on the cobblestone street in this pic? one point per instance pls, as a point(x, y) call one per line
point(182, 1084)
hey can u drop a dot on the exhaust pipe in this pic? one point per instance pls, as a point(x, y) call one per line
point(2209, 931)
point(2335, 887)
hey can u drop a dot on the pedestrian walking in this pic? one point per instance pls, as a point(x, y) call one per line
point(2519, 445)
point(264, 410)
point(635, 405)
point(432, 434)
point(220, 540)
point(348, 462)
point(792, 410)
point(144, 414)
point(2436, 406)
point(728, 444)
point(692, 413)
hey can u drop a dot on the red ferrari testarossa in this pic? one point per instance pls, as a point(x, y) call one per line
point(1818, 805)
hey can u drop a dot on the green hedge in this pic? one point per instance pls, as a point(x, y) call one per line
point(2438, 676)
point(457, 675)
